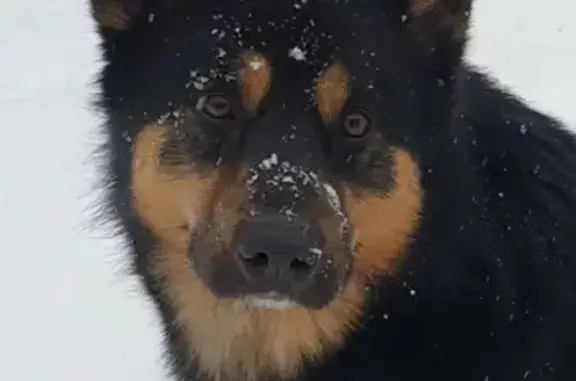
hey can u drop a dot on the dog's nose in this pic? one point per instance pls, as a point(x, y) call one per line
point(278, 254)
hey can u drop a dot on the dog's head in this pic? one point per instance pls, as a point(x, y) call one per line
point(269, 148)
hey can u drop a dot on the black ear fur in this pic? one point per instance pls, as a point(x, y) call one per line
point(441, 28)
point(441, 18)
point(116, 15)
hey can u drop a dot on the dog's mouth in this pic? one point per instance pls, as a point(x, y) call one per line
point(271, 301)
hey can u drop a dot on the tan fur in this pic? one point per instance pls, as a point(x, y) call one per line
point(231, 339)
point(168, 203)
point(255, 76)
point(235, 341)
point(383, 223)
point(332, 91)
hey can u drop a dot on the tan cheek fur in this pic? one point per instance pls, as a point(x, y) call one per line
point(168, 203)
point(383, 224)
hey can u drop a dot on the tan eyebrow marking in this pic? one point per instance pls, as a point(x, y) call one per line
point(332, 90)
point(255, 76)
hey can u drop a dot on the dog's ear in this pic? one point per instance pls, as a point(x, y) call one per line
point(441, 26)
point(116, 15)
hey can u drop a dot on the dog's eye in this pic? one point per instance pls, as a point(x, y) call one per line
point(215, 106)
point(356, 124)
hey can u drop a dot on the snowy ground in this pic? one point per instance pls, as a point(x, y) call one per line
point(67, 312)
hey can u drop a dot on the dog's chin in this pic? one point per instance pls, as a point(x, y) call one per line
point(270, 301)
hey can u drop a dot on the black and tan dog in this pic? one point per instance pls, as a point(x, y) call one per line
point(324, 190)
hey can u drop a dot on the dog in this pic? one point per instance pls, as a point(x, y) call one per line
point(327, 190)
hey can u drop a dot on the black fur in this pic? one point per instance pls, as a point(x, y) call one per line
point(488, 289)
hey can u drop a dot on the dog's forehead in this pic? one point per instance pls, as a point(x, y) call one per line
point(298, 42)
point(311, 32)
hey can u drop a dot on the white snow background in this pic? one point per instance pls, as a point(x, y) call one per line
point(67, 313)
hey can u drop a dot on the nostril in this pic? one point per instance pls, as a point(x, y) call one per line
point(254, 259)
point(259, 260)
point(303, 264)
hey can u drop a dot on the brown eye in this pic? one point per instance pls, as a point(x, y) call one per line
point(356, 125)
point(215, 106)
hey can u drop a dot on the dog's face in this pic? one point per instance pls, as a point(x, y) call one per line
point(267, 146)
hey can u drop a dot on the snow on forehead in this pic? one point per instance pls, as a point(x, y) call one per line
point(294, 31)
